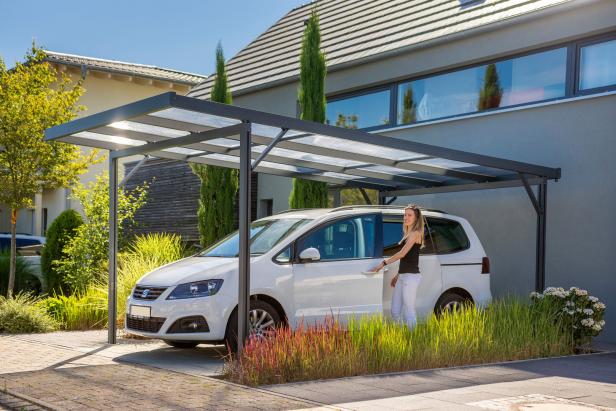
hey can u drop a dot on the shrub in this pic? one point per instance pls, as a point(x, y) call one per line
point(581, 314)
point(25, 280)
point(22, 314)
point(506, 330)
point(74, 312)
point(88, 309)
point(86, 253)
point(59, 233)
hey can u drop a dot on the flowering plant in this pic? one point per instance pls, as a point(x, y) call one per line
point(580, 312)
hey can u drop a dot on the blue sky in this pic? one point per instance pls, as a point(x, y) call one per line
point(180, 34)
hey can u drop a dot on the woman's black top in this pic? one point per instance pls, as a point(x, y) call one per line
point(410, 262)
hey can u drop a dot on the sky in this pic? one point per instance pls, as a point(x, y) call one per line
point(178, 34)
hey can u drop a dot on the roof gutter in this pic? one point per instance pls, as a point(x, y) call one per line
point(535, 14)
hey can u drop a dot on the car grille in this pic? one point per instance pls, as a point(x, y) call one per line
point(148, 293)
point(150, 324)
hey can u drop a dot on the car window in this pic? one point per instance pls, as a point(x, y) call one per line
point(284, 256)
point(344, 239)
point(264, 235)
point(392, 233)
point(448, 235)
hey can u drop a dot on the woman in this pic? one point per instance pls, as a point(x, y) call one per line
point(406, 282)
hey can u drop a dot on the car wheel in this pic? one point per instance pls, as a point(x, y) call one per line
point(182, 344)
point(262, 320)
point(450, 302)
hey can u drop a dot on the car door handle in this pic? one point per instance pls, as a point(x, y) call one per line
point(371, 273)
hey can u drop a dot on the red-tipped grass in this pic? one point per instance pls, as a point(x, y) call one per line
point(505, 330)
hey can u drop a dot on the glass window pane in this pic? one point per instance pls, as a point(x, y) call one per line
point(343, 239)
point(448, 236)
point(367, 110)
point(598, 65)
point(536, 77)
point(392, 234)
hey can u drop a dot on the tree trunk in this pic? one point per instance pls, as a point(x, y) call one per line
point(11, 285)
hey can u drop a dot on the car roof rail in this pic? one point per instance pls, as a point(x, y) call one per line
point(390, 207)
point(292, 210)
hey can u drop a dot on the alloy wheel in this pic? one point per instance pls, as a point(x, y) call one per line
point(261, 323)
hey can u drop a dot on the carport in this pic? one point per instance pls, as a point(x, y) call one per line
point(189, 129)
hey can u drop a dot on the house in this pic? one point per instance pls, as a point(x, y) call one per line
point(107, 84)
point(417, 69)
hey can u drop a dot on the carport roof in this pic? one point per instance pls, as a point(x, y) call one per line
point(189, 129)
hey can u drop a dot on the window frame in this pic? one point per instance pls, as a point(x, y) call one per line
point(602, 38)
point(572, 73)
point(378, 239)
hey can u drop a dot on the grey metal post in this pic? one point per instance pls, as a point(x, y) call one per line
point(337, 197)
point(244, 246)
point(113, 249)
point(541, 236)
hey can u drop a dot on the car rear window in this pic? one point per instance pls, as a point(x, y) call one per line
point(448, 236)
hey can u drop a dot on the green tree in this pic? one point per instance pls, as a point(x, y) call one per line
point(409, 108)
point(491, 93)
point(59, 233)
point(311, 95)
point(87, 251)
point(216, 213)
point(33, 97)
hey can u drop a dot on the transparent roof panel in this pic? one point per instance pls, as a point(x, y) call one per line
point(201, 119)
point(300, 155)
point(334, 143)
point(88, 135)
point(146, 128)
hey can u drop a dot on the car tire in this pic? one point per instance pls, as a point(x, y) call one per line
point(261, 311)
point(182, 344)
point(450, 301)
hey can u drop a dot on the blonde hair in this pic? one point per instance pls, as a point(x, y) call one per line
point(418, 225)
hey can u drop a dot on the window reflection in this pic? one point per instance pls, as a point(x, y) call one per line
point(521, 80)
point(367, 110)
point(598, 65)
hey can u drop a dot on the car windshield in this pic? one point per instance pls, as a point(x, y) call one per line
point(264, 235)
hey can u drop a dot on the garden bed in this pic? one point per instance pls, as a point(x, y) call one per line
point(506, 330)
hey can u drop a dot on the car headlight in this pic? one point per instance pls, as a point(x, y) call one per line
point(195, 289)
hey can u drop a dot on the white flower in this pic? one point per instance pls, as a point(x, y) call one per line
point(581, 293)
point(587, 322)
point(570, 304)
point(593, 299)
point(573, 288)
point(599, 306)
point(588, 311)
point(570, 312)
point(579, 310)
point(597, 327)
point(549, 290)
point(601, 323)
point(534, 294)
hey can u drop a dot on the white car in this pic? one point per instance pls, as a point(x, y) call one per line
point(307, 265)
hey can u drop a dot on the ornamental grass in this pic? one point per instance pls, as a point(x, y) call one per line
point(506, 330)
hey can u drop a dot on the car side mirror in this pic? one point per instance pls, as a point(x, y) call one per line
point(310, 254)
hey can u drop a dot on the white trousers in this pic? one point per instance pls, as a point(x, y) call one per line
point(404, 297)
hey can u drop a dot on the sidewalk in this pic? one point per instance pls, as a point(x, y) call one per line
point(585, 382)
point(77, 370)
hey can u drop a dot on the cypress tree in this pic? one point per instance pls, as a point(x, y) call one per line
point(216, 212)
point(409, 109)
point(311, 95)
point(491, 93)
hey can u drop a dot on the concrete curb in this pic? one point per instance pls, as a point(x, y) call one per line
point(42, 404)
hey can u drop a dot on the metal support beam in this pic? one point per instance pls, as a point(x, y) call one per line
point(113, 249)
point(391, 200)
point(269, 148)
point(365, 196)
point(530, 193)
point(337, 197)
point(243, 306)
point(134, 170)
point(541, 236)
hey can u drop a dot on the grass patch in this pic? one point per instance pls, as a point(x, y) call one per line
point(508, 329)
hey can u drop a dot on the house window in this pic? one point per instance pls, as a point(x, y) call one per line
point(360, 111)
point(597, 65)
point(531, 78)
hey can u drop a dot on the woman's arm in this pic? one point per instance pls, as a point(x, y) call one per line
point(403, 251)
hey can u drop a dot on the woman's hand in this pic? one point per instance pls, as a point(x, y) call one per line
point(377, 268)
point(394, 280)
